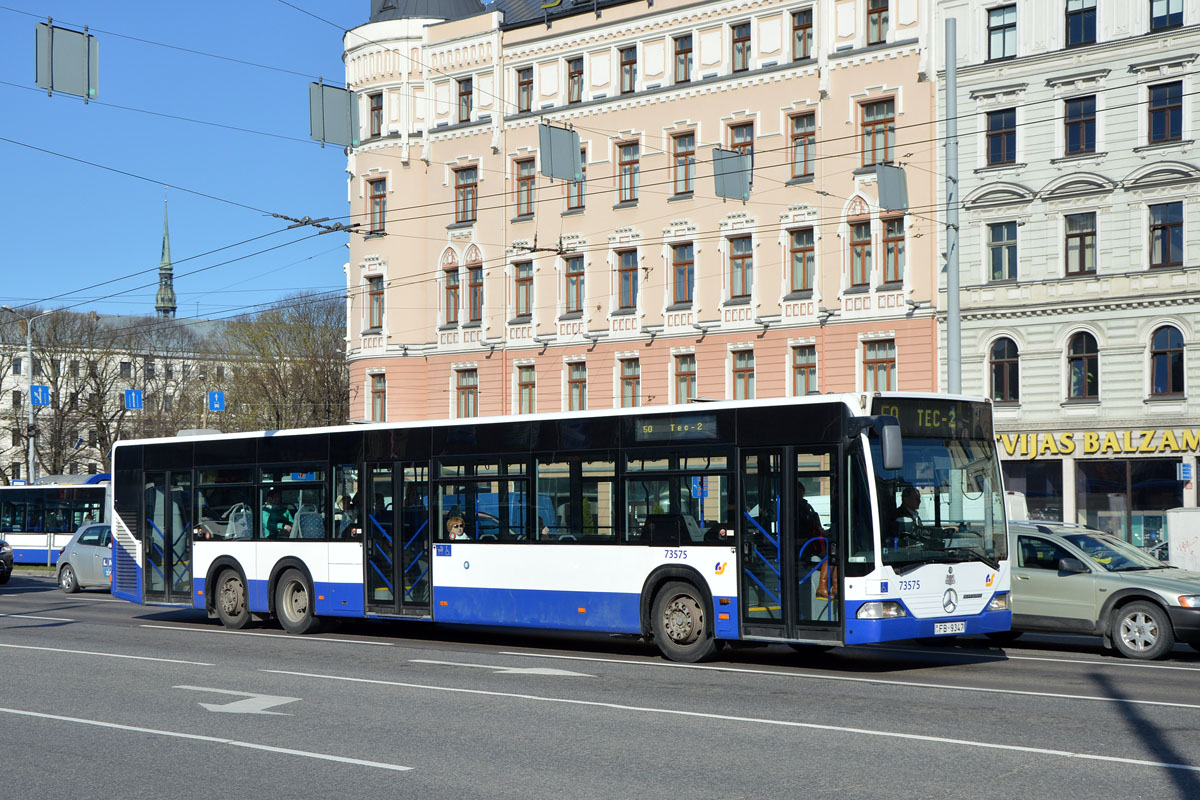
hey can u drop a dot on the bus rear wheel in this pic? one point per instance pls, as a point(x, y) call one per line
point(680, 624)
point(294, 603)
point(231, 601)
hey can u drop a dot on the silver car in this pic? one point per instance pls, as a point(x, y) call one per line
point(1073, 579)
point(86, 561)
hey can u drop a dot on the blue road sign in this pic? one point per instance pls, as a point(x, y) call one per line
point(699, 486)
point(216, 401)
point(39, 395)
point(133, 399)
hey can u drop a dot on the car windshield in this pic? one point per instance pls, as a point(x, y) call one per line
point(1113, 554)
point(945, 504)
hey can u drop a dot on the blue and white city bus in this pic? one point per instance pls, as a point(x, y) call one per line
point(39, 519)
point(768, 520)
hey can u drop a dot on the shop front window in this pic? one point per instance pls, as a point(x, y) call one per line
point(1128, 497)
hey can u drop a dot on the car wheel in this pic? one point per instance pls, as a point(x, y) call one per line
point(680, 624)
point(294, 603)
point(67, 580)
point(1142, 630)
point(1003, 637)
point(230, 601)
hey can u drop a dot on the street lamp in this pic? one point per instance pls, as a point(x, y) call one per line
point(32, 466)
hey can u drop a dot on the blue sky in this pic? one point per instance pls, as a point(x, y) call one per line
point(69, 225)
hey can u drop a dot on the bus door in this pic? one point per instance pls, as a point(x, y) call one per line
point(166, 536)
point(397, 538)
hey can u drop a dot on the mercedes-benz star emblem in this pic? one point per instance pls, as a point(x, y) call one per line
point(950, 601)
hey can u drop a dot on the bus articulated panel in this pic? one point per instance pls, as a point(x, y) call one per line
point(819, 521)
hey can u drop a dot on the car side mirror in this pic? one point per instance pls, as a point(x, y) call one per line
point(1071, 565)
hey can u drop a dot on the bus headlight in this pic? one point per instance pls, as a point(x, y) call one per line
point(1000, 602)
point(886, 609)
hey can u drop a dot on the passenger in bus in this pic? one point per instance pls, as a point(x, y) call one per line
point(808, 521)
point(346, 518)
point(276, 517)
point(456, 529)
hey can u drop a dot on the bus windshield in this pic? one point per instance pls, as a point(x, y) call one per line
point(945, 505)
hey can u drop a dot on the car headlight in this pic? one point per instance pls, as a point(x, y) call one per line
point(1000, 602)
point(886, 609)
point(5, 548)
point(1189, 600)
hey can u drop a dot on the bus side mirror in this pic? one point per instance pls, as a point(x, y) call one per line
point(892, 446)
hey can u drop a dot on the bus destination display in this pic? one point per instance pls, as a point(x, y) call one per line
point(919, 417)
point(675, 428)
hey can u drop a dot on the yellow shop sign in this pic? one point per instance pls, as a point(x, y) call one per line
point(1098, 443)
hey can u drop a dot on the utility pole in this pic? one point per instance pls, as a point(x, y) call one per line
point(953, 317)
point(31, 469)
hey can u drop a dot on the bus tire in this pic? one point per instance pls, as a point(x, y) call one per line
point(680, 623)
point(230, 601)
point(1142, 630)
point(67, 580)
point(294, 603)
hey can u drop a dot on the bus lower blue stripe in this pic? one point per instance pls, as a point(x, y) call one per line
point(609, 612)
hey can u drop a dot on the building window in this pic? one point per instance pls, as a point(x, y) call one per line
point(1166, 362)
point(741, 47)
point(525, 177)
point(378, 398)
point(14, 471)
point(627, 281)
point(377, 191)
point(685, 378)
point(1166, 235)
point(631, 383)
point(741, 138)
point(475, 292)
point(452, 296)
point(1165, 14)
point(860, 254)
point(577, 387)
point(893, 250)
point(524, 89)
point(465, 93)
point(1002, 251)
point(879, 366)
point(1002, 32)
point(877, 21)
point(743, 375)
point(803, 250)
point(577, 190)
point(1083, 367)
point(376, 101)
point(741, 266)
point(17, 399)
point(804, 370)
point(1081, 243)
point(466, 193)
point(804, 140)
point(526, 390)
point(628, 164)
point(683, 162)
point(375, 295)
point(467, 392)
point(126, 369)
point(802, 34)
point(1002, 137)
point(1166, 112)
point(574, 284)
point(16, 366)
point(878, 132)
point(1081, 22)
point(523, 288)
point(574, 80)
point(1080, 121)
point(683, 59)
point(1006, 387)
point(628, 69)
point(683, 273)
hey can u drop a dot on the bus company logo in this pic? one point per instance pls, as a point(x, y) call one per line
point(990, 578)
point(950, 576)
point(720, 568)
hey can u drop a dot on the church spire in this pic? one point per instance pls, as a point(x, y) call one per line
point(164, 301)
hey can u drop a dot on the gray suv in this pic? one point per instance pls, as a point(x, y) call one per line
point(1073, 579)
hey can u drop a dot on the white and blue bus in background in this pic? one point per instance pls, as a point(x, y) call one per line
point(766, 521)
point(39, 519)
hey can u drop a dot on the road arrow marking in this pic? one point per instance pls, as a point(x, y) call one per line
point(253, 704)
point(507, 670)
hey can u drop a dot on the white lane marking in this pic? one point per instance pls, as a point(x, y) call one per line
point(506, 670)
point(106, 655)
point(782, 723)
point(34, 616)
point(288, 636)
point(251, 704)
point(214, 739)
point(1113, 662)
point(848, 679)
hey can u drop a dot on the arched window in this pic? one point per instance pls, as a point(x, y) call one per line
point(1083, 367)
point(1006, 387)
point(1166, 361)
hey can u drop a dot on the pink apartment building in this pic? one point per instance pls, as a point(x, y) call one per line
point(485, 288)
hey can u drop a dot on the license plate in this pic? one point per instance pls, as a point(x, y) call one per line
point(941, 628)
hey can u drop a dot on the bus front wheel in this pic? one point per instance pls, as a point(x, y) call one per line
point(680, 624)
point(231, 601)
point(294, 603)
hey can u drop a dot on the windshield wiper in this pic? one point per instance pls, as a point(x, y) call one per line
point(984, 557)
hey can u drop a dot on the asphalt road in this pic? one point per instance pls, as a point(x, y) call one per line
point(102, 698)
